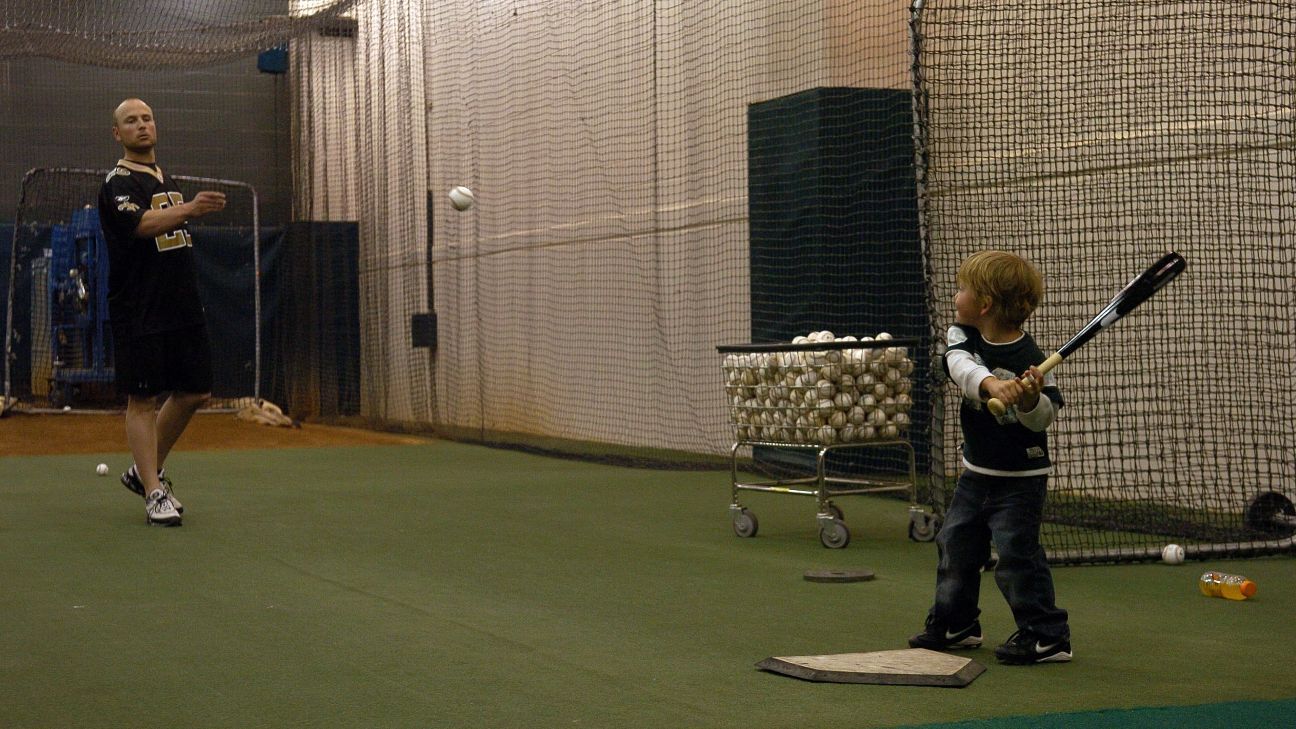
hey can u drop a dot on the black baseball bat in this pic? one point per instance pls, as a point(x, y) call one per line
point(1126, 300)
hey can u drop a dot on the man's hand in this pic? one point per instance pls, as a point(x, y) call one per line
point(164, 220)
point(206, 202)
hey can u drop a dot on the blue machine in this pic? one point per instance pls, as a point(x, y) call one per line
point(80, 338)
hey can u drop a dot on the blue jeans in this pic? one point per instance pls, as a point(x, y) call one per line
point(1007, 511)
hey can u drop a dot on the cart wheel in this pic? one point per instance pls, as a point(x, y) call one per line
point(745, 524)
point(923, 526)
point(834, 534)
point(836, 511)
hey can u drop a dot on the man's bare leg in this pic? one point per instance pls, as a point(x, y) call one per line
point(142, 437)
point(172, 420)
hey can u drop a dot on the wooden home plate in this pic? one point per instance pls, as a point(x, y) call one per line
point(911, 667)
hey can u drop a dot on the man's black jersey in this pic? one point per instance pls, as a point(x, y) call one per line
point(1001, 445)
point(152, 282)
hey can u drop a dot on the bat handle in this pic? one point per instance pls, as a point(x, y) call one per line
point(996, 406)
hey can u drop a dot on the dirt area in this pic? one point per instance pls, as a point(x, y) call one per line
point(23, 434)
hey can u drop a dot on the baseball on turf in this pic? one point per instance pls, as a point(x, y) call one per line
point(1172, 554)
point(102, 469)
point(461, 197)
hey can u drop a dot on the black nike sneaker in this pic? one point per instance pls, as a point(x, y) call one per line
point(1025, 647)
point(940, 638)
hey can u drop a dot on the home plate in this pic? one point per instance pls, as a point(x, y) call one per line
point(911, 667)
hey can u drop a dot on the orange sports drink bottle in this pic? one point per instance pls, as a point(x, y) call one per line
point(1222, 584)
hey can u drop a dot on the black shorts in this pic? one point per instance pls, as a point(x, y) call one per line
point(178, 360)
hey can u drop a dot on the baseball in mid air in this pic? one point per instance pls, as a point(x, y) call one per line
point(461, 197)
point(102, 469)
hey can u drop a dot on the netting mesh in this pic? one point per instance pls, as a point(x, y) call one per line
point(656, 178)
point(1092, 137)
point(158, 33)
point(607, 254)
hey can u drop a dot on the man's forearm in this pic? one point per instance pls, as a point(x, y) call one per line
point(161, 222)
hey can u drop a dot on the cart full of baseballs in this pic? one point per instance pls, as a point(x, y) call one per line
point(823, 395)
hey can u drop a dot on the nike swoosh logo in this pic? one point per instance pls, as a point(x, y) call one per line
point(952, 636)
point(1040, 648)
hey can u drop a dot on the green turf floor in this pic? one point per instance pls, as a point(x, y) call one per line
point(446, 585)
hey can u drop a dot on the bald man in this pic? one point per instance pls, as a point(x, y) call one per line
point(159, 330)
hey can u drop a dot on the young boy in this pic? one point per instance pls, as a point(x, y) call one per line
point(1000, 494)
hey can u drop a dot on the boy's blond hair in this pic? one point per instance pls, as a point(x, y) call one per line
point(1012, 284)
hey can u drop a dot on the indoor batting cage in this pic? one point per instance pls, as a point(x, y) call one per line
point(653, 180)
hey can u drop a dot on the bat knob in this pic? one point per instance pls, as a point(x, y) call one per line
point(996, 406)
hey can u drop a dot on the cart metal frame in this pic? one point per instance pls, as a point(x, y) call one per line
point(833, 532)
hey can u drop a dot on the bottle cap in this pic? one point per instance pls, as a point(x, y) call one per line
point(1248, 588)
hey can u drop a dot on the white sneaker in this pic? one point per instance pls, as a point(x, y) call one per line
point(132, 481)
point(160, 510)
point(166, 486)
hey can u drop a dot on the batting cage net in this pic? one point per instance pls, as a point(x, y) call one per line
point(158, 33)
point(651, 179)
point(58, 341)
point(656, 179)
point(1093, 137)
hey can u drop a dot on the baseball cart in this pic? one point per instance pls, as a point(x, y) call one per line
point(821, 398)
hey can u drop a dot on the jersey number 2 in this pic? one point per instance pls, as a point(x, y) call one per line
point(178, 238)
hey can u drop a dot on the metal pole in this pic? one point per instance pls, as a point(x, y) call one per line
point(256, 270)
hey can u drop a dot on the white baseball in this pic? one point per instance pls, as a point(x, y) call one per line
point(1172, 554)
point(856, 415)
point(461, 197)
point(827, 435)
point(102, 469)
point(831, 373)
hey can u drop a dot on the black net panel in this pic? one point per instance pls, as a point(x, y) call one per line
point(1092, 137)
point(58, 342)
